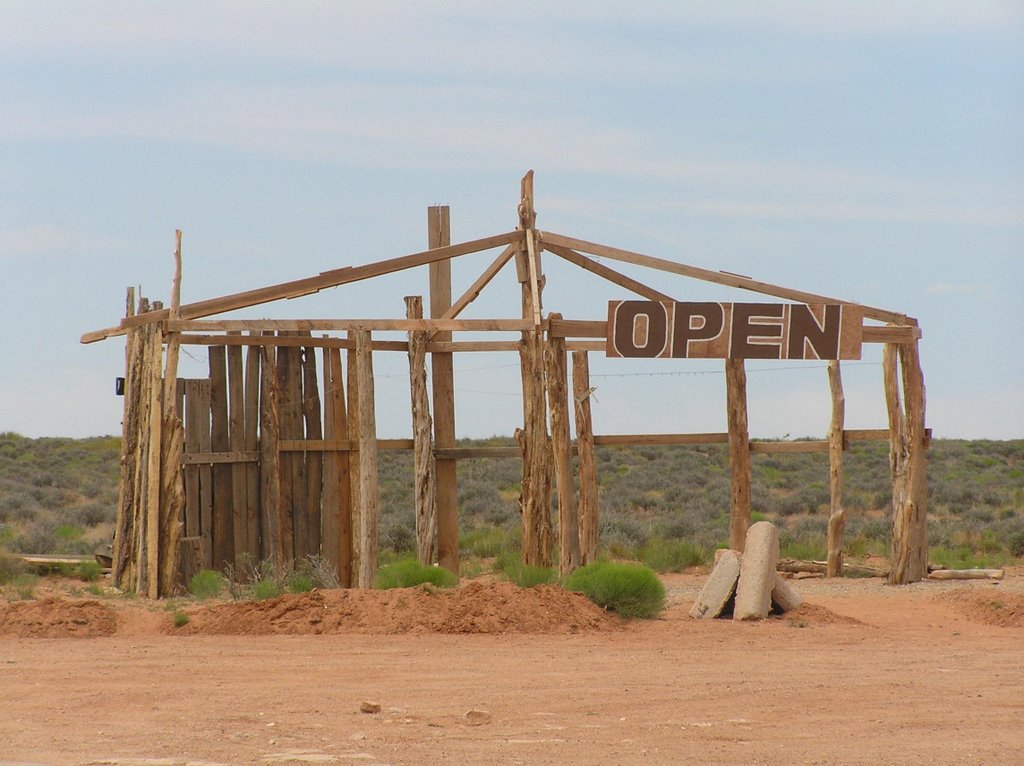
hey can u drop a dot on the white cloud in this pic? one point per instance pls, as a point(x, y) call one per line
point(33, 240)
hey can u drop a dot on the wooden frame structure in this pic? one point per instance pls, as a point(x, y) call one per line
point(273, 458)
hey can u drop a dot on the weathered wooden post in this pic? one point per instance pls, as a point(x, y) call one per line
point(588, 510)
point(337, 507)
point(739, 452)
point(446, 488)
point(837, 516)
point(270, 459)
point(535, 491)
point(368, 490)
point(423, 448)
point(906, 462)
point(558, 405)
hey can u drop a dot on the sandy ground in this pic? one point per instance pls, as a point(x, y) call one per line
point(931, 673)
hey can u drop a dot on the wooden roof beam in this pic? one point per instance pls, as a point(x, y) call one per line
point(718, 277)
point(308, 285)
point(611, 275)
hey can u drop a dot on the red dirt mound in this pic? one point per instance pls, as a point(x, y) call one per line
point(496, 607)
point(57, 618)
point(813, 614)
point(987, 605)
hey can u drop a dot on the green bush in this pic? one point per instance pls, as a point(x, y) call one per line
point(631, 590)
point(205, 584)
point(25, 585)
point(487, 542)
point(672, 555)
point(299, 582)
point(90, 571)
point(264, 589)
point(180, 619)
point(408, 573)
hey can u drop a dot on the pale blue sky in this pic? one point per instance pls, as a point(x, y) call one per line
point(870, 151)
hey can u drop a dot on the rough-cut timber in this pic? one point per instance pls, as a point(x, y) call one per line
point(720, 587)
point(589, 512)
point(532, 438)
point(311, 409)
point(967, 574)
point(907, 444)
point(739, 452)
point(368, 489)
point(757, 572)
point(445, 484)
point(270, 469)
point(561, 446)
point(837, 516)
point(423, 448)
point(784, 596)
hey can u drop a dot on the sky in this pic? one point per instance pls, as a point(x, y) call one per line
point(868, 151)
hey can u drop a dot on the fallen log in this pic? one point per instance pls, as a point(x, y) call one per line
point(798, 566)
point(966, 574)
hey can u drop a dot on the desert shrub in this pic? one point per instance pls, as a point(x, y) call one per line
point(264, 589)
point(90, 571)
point(672, 555)
point(630, 590)
point(512, 568)
point(180, 619)
point(25, 585)
point(488, 542)
point(399, 537)
point(205, 584)
point(1015, 544)
point(10, 566)
point(408, 573)
point(963, 557)
point(299, 582)
point(321, 572)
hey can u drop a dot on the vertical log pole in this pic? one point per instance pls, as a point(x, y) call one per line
point(739, 452)
point(914, 395)
point(126, 499)
point(558, 406)
point(589, 522)
point(352, 378)
point(535, 491)
point(899, 452)
point(907, 462)
point(252, 444)
point(337, 505)
point(236, 440)
point(445, 484)
point(368, 490)
point(270, 466)
point(154, 359)
point(837, 516)
point(311, 413)
point(423, 448)
point(223, 513)
point(172, 440)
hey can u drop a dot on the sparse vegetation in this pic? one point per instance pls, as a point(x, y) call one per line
point(630, 590)
point(180, 619)
point(206, 584)
point(511, 567)
point(407, 573)
point(661, 505)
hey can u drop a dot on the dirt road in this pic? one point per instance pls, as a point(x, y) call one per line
point(863, 674)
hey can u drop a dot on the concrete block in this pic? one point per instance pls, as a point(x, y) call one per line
point(720, 587)
point(757, 572)
point(784, 596)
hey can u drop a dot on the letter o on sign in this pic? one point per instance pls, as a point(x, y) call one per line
point(641, 329)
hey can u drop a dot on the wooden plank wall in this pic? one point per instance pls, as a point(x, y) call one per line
point(225, 458)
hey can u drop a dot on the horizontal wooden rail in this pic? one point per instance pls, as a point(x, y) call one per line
point(206, 458)
point(463, 453)
point(891, 334)
point(338, 445)
point(655, 440)
point(313, 325)
point(795, 446)
point(288, 341)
